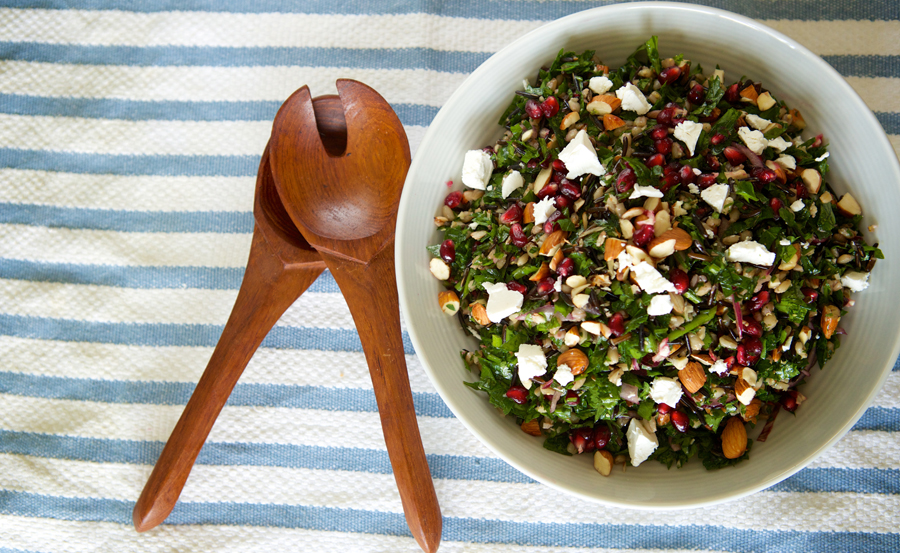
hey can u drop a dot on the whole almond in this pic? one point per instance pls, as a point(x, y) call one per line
point(831, 315)
point(692, 376)
point(479, 313)
point(575, 359)
point(603, 462)
point(734, 438)
point(449, 302)
point(532, 427)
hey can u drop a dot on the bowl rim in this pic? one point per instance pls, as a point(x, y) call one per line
point(431, 135)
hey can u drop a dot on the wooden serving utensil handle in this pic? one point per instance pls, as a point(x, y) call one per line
point(268, 289)
point(371, 294)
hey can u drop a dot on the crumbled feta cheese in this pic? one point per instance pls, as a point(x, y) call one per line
point(645, 191)
point(693, 188)
point(511, 182)
point(797, 206)
point(688, 132)
point(649, 279)
point(558, 284)
point(477, 169)
point(543, 209)
point(502, 302)
point(642, 441)
point(531, 363)
point(757, 122)
point(660, 305)
point(563, 375)
point(580, 157)
point(600, 85)
point(753, 139)
point(823, 156)
point(633, 99)
point(719, 367)
point(784, 242)
point(778, 143)
point(697, 172)
point(715, 196)
point(749, 252)
point(855, 281)
point(439, 269)
point(786, 162)
point(666, 390)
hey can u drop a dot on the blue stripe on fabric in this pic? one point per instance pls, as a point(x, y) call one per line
point(172, 334)
point(879, 418)
point(208, 278)
point(865, 66)
point(889, 120)
point(173, 110)
point(812, 10)
point(126, 221)
point(178, 393)
point(574, 534)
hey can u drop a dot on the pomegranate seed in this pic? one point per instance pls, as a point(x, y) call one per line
point(558, 165)
point(566, 267)
point(763, 174)
point(717, 139)
point(734, 156)
point(659, 132)
point(680, 421)
point(789, 401)
point(533, 109)
point(601, 436)
point(712, 162)
point(733, 93)
point(706, 180)
point(569, 189)
point(550, 227)
point(563, 202)
point(648, 360)
point(517, 236)
point(582, 439)
point(677, 121)
point(533, 164)
point(549, 189)
point(617, 324)
point(550, 107)
point(669, 75)
point(668, 181)
point(626, 180)
point(516, 287)
point(643, 235)
point(697, 94)
point(748, 351)
point(557, 176)
point(448, 251)
point(751, 327)
point(672, 168)
point(680, 280)
point(809, 295)
point(655, 160)
point(666, 115)
point(800, 189)
point(512, 215)
point(686, 174)
point(759, 300)
point(545, 286)
point(776, 205)
point(572, 399)
point(729, 362)
point(517, 394)
point(663, 146)
point(818, 141)
point(454, 199)
point(663, 408)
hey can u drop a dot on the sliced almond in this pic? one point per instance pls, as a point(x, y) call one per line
point(449, 302)
point(528, 216)
point(743, 390)
point(734, 438)
point(532, 427)
point(752, 410)
point(627, 228)
point(575, 359)
point(592, 327)
point(682, 239)
point(663, 223)
point(812, 180)
point(692, 377)
point(780, 175)
point(542, 179)
point(849, 206)
point(603, 462)
point(552, 242)
point(831, 315)
point(570, 119)
point(703, 358)
point(599, 107)
point(750, 93)
point(663, 249)
point(792, 262)
point(611, 122)
point(765, 101)
point(639, 255)
point(557, 257)
point(479, 313)
point(612, 248)
point(541, 273)
point(797, 120)
point(613, 101)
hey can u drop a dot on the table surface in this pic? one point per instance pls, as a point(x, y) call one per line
point(129, 142)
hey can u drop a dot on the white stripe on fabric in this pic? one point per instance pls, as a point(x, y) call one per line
point(895, 142)
point(862, 449)
point(86, 360)
point(406, 86)
point(100, 247)
point(443, 436)
point(260, 30)
point(132, 193)
point(838, 38)
point(889, 396)
point(40, 534)
point(879, 93)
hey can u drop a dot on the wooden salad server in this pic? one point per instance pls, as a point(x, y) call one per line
point(281, 266)
point(344, 201)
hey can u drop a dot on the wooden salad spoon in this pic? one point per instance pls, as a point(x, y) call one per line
point(345, 203)
point(281, 266)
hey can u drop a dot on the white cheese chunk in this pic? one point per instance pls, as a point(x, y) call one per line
point(642, 441)
point(502, 302)
point(753, 139)
point(786, 162)
point(563, 375)
point(749, 252)
point(660, 305)
point(757, 122)
point(715, 196)
point(855, 281)
point(688, 132)
point(666, 390)
point(693, 188)
point(580, 157)
point(600, 85)
point(649, 279)
point(633, 99)
point(779, 144)
point(645, 191)
point(477, 169)
point(823, 156)
point(785, 242)
point(510, 182)
point(719, 367)
point(531, 363)
point(797, 206)
point(544, 209)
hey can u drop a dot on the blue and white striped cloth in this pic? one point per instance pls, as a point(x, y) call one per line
point(130, 134)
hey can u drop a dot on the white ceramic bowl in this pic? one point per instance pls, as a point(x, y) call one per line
point(862, 160)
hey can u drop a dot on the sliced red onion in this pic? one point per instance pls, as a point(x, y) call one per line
point(629, 393)
point(554, 400)
point(739, 317)
point(840, 331)
point(751, 155)
point(767, 428)
point(662, 352)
